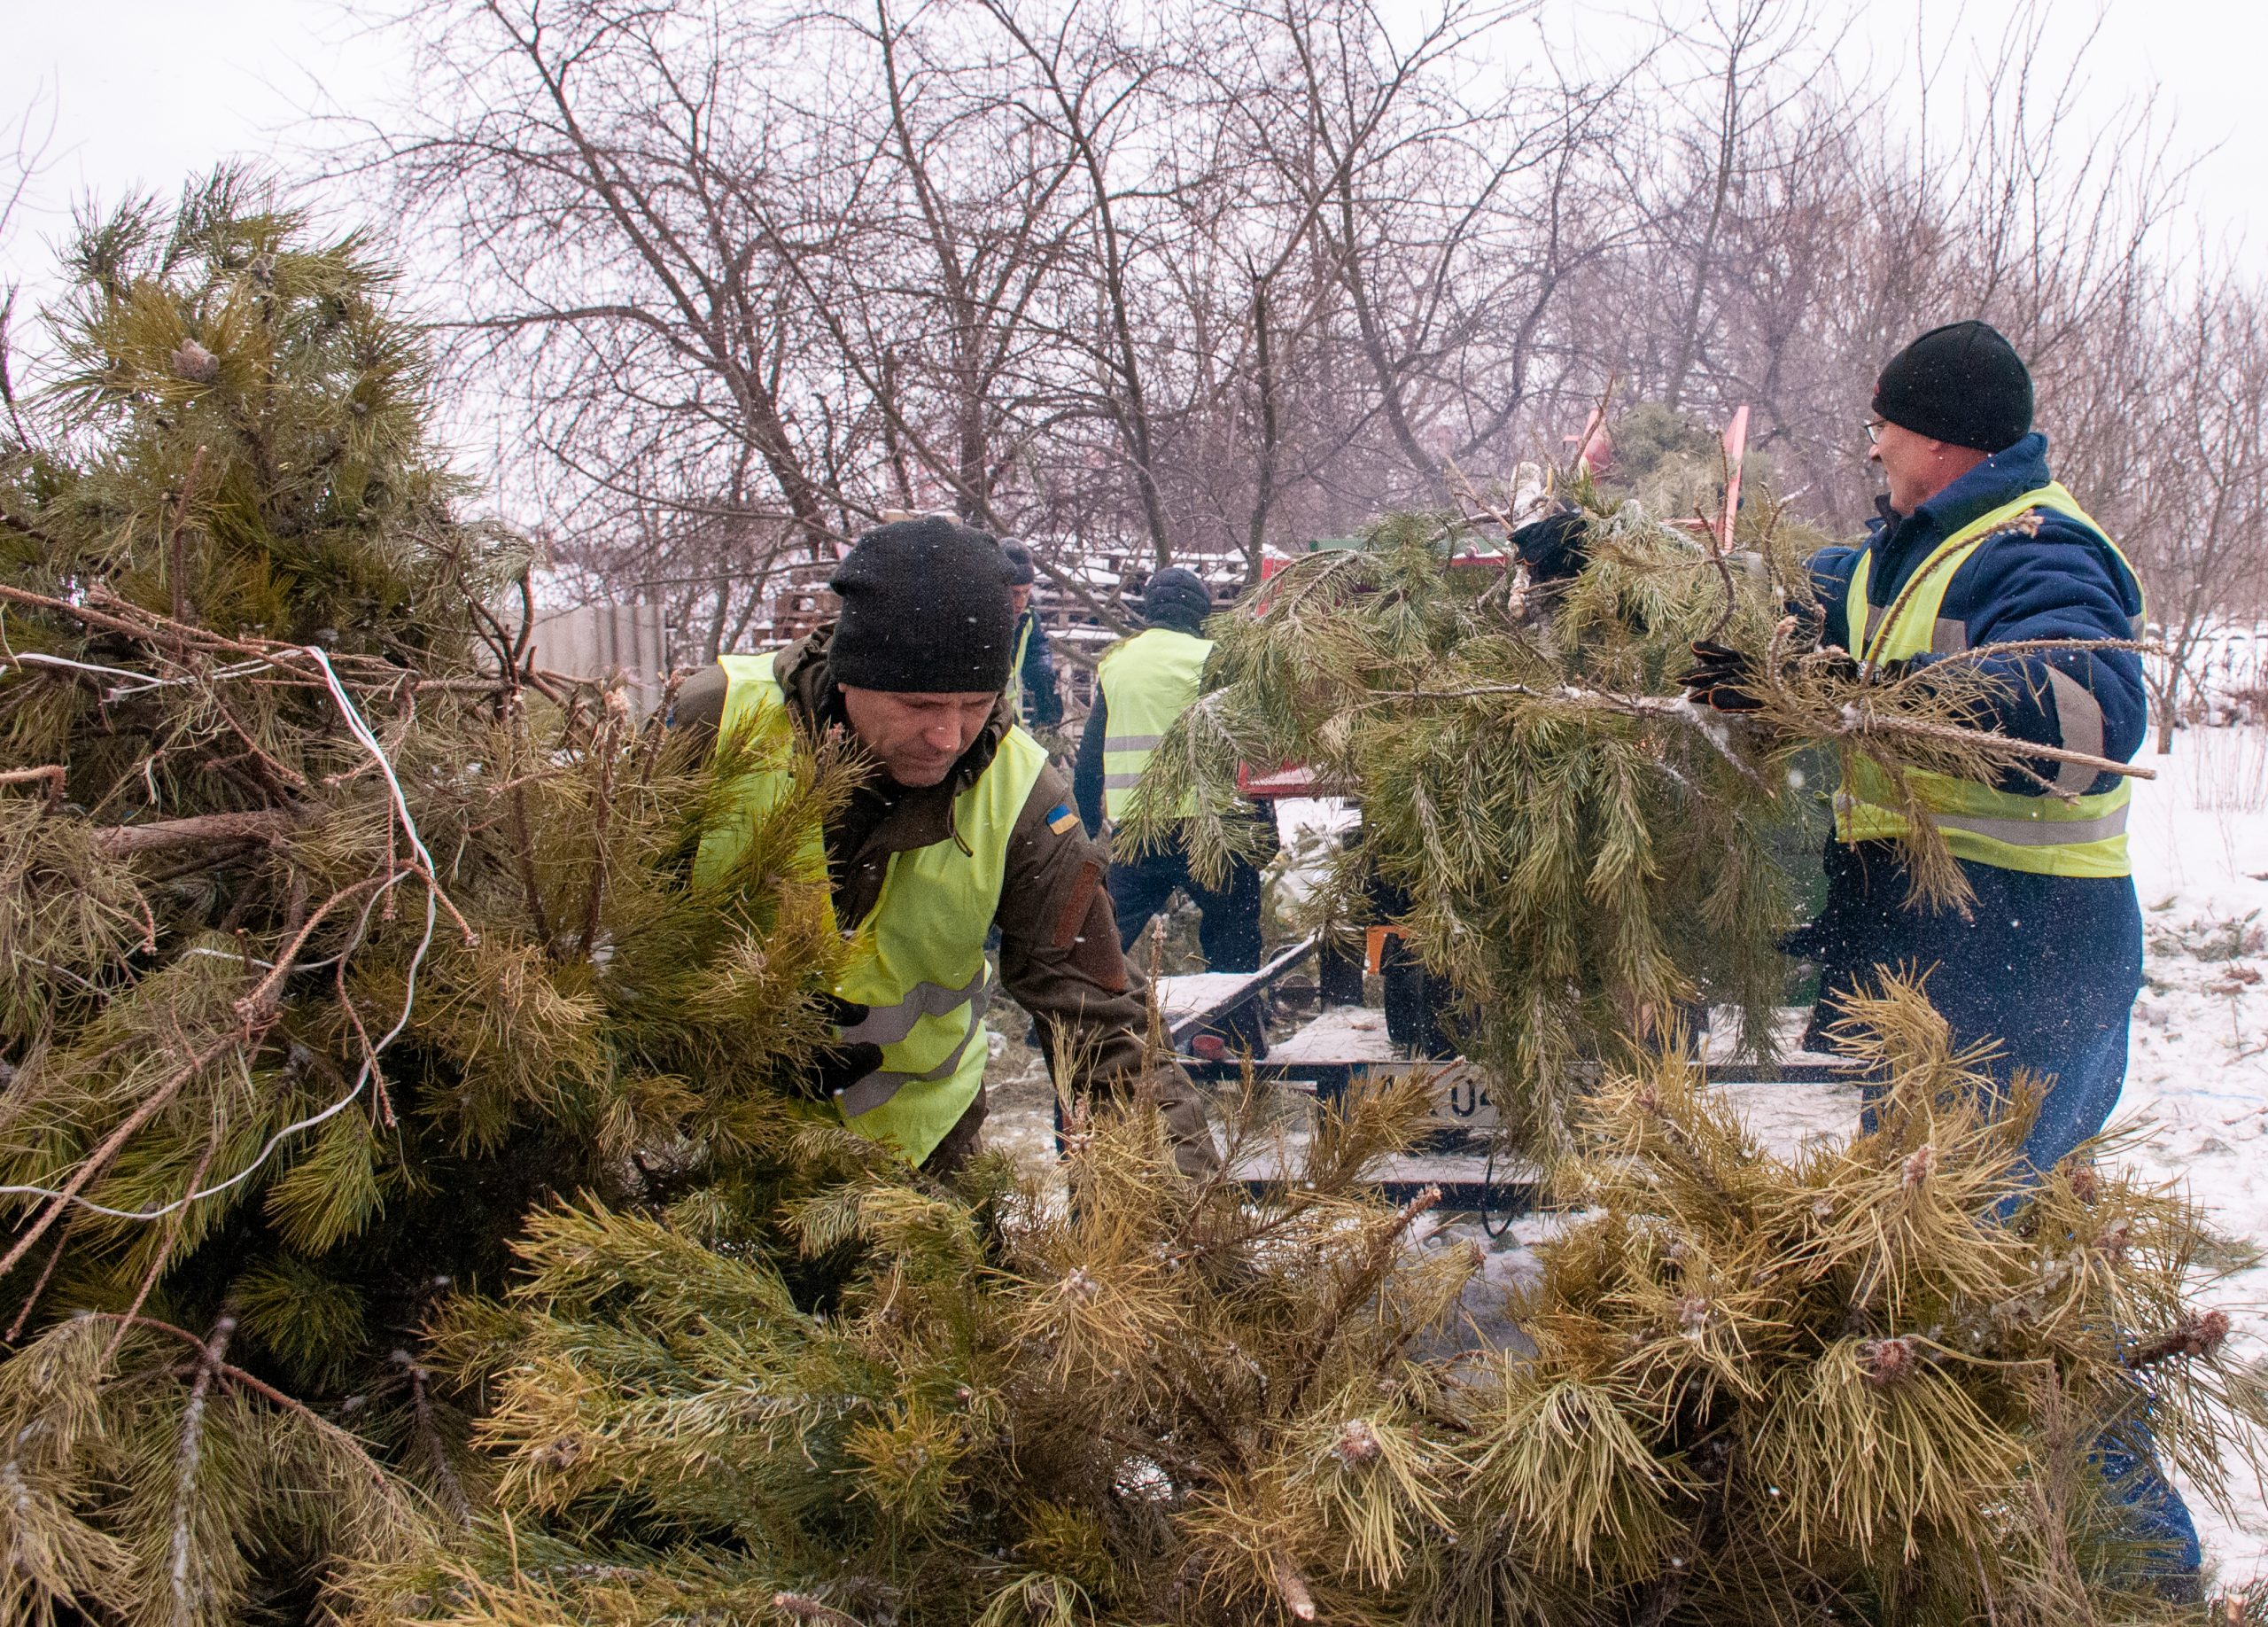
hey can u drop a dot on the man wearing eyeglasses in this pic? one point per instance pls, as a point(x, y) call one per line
point(1975, 545)
point(1977, 548)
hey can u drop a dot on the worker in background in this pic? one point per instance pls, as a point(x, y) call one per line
point(1976, 544)
point(1032, 695)
point(958, 825)
point(1142, 685)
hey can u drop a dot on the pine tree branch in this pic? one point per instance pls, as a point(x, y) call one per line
point(54, 774)
point(429, 1439)
point(24, 1311)
point(292, 661)
point(367, 737)
point(523, 840)
point(211, 1356)
point(1289, 608)
point(173, 1231)
point(291, 778)
point(260, 1003)
point(603, 748)
point(1858, 726)
point(1290, 1586)
point(1357, 1287)
point(176, 556)
point(2192, 1336)
point(76, 613)
point(1220, 1432)
point(527, 620)
point(197, 830)
point(258, 1386)
point(361, 1033)
point(100, 1159)
point(1873, 723)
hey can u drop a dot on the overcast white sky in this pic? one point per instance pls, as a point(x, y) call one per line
point(147, 92)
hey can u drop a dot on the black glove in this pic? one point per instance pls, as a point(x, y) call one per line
point(1721, 678)
point(1553, 548)
point(838, 1066)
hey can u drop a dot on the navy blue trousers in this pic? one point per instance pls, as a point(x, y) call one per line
point(1228, 929)
point(2048, 967)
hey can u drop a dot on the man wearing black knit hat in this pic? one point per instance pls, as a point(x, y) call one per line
point(960, 826)
point(1976, 549)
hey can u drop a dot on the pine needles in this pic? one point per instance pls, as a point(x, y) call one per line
point(414, 1211)
point(1586, 854)
point(1583, 852)
point(339, 939)
point(1870, 1382)
point(1859, 1385)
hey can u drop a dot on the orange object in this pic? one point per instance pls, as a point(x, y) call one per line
point(1374, 946)
point(1736, 443)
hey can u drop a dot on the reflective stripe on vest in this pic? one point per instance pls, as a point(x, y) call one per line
point(1147, 682)
point(2043, 834)
point(1016, 690)
point(917, 960)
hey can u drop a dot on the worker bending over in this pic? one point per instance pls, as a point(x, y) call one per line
point(960, 825)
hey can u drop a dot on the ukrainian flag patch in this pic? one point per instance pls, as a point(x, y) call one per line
point(1061, 818)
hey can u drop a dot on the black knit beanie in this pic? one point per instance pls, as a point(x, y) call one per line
point(1177, 598)
point(1962, 384)
point(1021, 572)
point(925, 611)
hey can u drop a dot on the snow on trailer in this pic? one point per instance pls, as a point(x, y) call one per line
point(1806, 1095)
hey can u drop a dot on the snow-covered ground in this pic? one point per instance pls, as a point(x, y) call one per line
point(2199, 1066)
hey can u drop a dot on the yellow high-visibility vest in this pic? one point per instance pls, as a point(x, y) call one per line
point(1147, 682)
point(2043, 834)
point(917, 962)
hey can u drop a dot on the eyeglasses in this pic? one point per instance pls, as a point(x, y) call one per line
point(1874, 430)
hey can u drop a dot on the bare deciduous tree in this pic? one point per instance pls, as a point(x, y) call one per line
point(1217, 274)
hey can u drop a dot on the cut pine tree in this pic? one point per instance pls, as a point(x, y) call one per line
point(1871, 1382)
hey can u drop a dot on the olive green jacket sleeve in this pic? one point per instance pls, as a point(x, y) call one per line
point(1059, 943)
point(1060, 959)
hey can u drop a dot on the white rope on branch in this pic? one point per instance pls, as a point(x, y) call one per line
point(136, 683)
point(369, 740)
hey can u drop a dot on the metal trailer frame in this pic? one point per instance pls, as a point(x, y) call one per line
point(1465, 1165)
